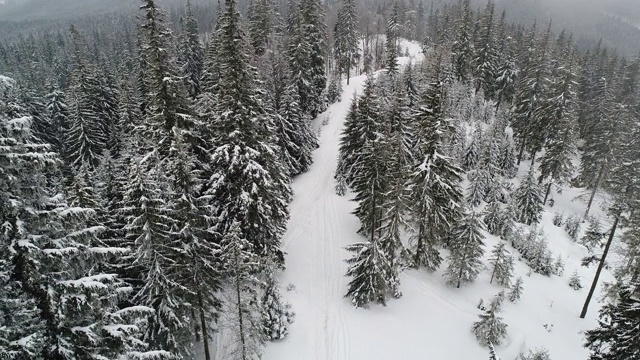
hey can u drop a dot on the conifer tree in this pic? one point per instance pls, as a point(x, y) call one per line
point(296, 138)
point(461, 51)
point(260, 20)
point(241, 315)
point(167, 103)
point(485, 67)
point(516, 290)
point(198, 266)
point(528, 201)
point(502, 265)
point(58, 113)
point(370, 273)
point(85, 138)
point(248, 183)
point(466, 244)
point(155, 252)
point(391, 56)
point(616, 336)
point(191, 52)
point(345, 34)
point(276, 314)
point(574, 281)
point(436, 195)
point(594, 235)
point(491, 329)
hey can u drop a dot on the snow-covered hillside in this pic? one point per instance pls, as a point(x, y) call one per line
point(431, 320)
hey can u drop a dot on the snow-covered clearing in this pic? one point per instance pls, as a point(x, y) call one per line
point(431, 320)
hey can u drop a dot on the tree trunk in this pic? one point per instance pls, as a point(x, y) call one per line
point(546, 195)
point(197, 327)
point(600, 266)
point(595, 189)
point(419, 247)
point(521, 153)
point(348, 74)
point(203, 324)
point(533, 159)
point(493, 273)
point(239, 304)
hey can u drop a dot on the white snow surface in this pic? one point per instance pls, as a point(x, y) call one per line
point(430, 320)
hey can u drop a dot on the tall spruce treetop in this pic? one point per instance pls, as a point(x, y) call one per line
point(314, 30)
point(167, 104)
point(461, 50)
point(391, 46)
point(345, 44)
point(191, 52)
point(248, 180)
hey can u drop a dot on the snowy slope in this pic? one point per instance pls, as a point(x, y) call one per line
point(431, 320)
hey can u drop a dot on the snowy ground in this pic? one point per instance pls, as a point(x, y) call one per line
point(431, 320)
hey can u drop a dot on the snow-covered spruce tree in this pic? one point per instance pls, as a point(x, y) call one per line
point(191, 53)
point(166, 99)
point(556, 166)
point(508, 158)
point(369, 172)
point(276, 314)
point(397, 196)
point(471, 153)
point(616, 336)
point(334, 91)
point(350, 142)
point(574, 281)
point(260, 19)
point(436, 195)
point(307, 47)
point(198, 266)
point(296, 138)
point(391, 46)
point(241, 318)
point(467, 248)
point(248, 182)
point(490, 329)
point(594, 235)
point(370, 272)
point(58, 113)
point(478, 184)
point(528, 129)
point(516, 290)
point(502, 265)
point(84, 138)
point(56, 301)
point(494, 218)
point(345, 34)
point(155, 261)
point(528, 201)
point(485, 61)
point(461, 49)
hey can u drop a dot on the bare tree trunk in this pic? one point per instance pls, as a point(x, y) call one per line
point(600, 266)
point(239, 304)
point(595, 189)
point(203, 324)
point(546, 195)
point(348, 74)
point(521, 153)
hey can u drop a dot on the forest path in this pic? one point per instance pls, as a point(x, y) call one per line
point(315, 242)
